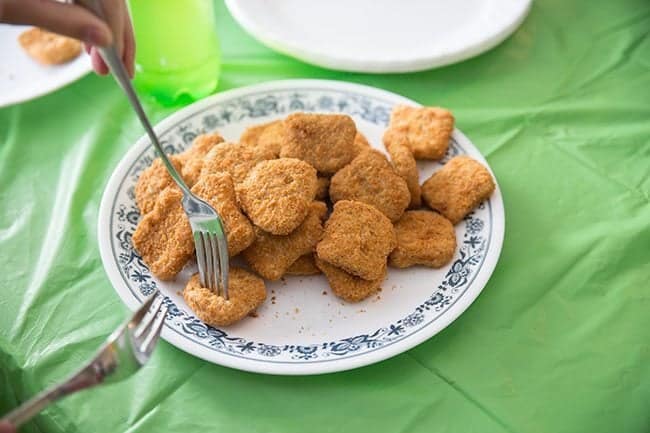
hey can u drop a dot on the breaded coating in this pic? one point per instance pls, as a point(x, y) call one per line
point(360, 143)
point(251, 134)
point(458, 187)
point(357, 239)
point(152, 181)
point(192, 158)
point(404, 165)
point(163, 237)
point(370, 179)
point(267, 136)
point(276, 194)
point(423, 238)
point(349, 287)
point(305, 265)
point(234, 158)
point(326, 141)
point(246, 292)
point(219, 191)
point(424, 130)
point(322, 188)
point(270, 255)
point(49, 48)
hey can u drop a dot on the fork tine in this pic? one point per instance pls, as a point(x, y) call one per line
point(150, 340)
point(223, 264)
point(144, 309)
point(215, 263)
point(148, 319)
point(199, 246)
point(209, 263)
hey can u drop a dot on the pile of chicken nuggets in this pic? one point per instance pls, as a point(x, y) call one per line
point(306, 195)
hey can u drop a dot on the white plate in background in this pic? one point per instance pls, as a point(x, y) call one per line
point(22, 78)
point(380, 35)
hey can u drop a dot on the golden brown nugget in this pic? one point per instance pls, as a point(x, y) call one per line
point(152, 181)
point(268, 136)
point(322, 188)
point(234, 158)
point(251, 135)
point(360, 143)
point(458, 187)
point(271, 255)
point(326, 141)
point(246, 292)
point(370, 179)
point(357, 239)
point(193, 157)
point(163, 236)
point(219, 191)
point(423, 238)
point(305, 265)
point(276, 194)
point(424, 130)
point(349, 287)
point(405, 166)
point(49, 48)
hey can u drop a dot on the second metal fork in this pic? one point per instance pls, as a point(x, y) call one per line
point(207, 227)
point(125, 351)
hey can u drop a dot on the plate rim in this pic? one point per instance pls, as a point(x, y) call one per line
point(421, 63)
point(260, 366)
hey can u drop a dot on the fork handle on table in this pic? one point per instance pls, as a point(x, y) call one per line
point(112, 59)
point(86, 378)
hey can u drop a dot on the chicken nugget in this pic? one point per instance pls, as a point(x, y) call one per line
point(49, 48)
point(360, 143)
point(349, 287)
point(357, 239)
point(219, 191)
point(326, 141)
point(271, 255)
point(192, 158)
point(404, 165)
point(152, 181)
point(423, 238)
point(163, 237)
point(268, 136)
point(276, 194)
point(234, 158)
point(305, 265)
point(424, 130)
point(246, 292)
point(458, 187)
point(370, 179)
point(322, 188)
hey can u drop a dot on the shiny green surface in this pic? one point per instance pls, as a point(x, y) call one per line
point(559, 340)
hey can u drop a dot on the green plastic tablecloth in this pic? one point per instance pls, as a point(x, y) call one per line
point(559, 341)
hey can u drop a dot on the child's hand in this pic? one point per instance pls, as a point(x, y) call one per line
point(77, 22)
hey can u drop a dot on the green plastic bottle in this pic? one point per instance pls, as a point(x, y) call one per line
point(177, 49)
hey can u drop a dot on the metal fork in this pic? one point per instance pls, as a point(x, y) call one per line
point(207, 226)
point(127, 349)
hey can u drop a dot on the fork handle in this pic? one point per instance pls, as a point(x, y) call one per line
point(112, 59)
point(83, 379)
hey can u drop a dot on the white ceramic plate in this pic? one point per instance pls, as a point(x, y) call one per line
point(22, 78)
point(302, 328)
point(380, 35)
